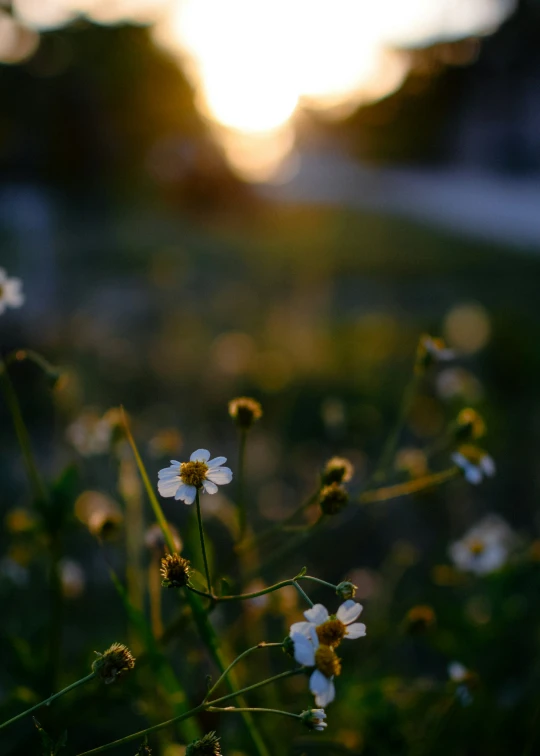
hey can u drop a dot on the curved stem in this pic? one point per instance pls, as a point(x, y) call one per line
point(203, 706)
point(203, 546)
point(238, 659)
point(318, 580)
point(241, 596)
point(411, 486)
point(234, 709)
point(49, 700)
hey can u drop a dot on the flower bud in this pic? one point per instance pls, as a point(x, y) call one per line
point(337, 470)
point(346, 590)
point(333, 498)
point(469, 426)
point(175, 571)
point(206, 746)
point(313, 719)
point(113, 662)
point(245, 411)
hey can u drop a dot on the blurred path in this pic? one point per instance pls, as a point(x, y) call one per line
point(485, 206)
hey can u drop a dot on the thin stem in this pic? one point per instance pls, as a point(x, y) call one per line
point(238, 659)
point(242, 514)
point(201, 707)
point(49, 700)
point(241, 596)
point(23, 437)
point(411, 486)
point(234, 709)
point(302, 593)
point(318, 580)
point(203, 546)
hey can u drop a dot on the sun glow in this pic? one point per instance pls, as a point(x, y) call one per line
point(255, 63)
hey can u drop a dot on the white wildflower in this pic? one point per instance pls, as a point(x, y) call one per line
point(474, 463)
point(10, 291)
point(310, 653)
point(331, 629)
point(183, 479)
point(485, 547)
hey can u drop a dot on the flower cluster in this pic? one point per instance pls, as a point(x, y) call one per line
point(315, 642)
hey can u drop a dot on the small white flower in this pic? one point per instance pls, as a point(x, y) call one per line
point(457, 672)
point(183, 479)
point(92, 434)
point(10, 291)
point(314, 719)
point(331, 630)
point(310, 653)
point(437, 349)
point(485, 547)
point(475, 463)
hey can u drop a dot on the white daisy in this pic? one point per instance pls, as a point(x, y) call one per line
point(331, 629)
point(183, 479)
point(10, 291)
point(474, 463)
point(314, 719)
point(484, 548)
point(310, 653)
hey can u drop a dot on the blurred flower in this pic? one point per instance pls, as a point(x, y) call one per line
point(474, 462)
point(331, 629)
point(346, 590)
point(485, 547)
point(183, 479)
point(465, 679)
point(155, 540)
point(164, 442)
point(457, 382)
point(469, 425)
point(412, 461)
point(337, 470)
point(113, 662)
point(310, 653)
point(19, 520)
point(10, 291)
point(16, 573)
point(91, 434)
point(72, 578)
point(430, 351)
point(314, 719)
point(175, 571)
point(333, 498)
point(245, 411)
point(100, 513)
point(420, 619)
point(206, 746)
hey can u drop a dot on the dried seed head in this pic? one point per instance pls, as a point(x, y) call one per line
point(346, 590)
point(337, 470)
point(333, 498)
point(175, 571)
point(420, 619)
point(113, 662)
point(245, 411)
point(206, 746)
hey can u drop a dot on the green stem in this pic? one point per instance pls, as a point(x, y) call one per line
point(409, 487)
point(23, 437)
point(201, 707)
point(238, 659)
point(204, 626)
point(203, 546)
point(302, 593)
point(234, 709)
point(319, 581)
point(241, 596)
point(49, 700)
point(242, 514)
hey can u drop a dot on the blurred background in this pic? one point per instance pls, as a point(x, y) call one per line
point(212, 198)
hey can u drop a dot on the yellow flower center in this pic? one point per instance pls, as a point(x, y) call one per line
point(327, 661)
point(193, 473)
point(331, 633)
point(476, 548)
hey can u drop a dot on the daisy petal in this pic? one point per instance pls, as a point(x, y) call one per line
point(304, 652)
point(317, 614)
point(322, 688)
point(304, 628)
point(220, 475)
point(349, 611)
point(168, 473)
point(356, 630)
point(216, 462)
point(209, 487)
point(175, 463)
point(201, 455)
point(168, 487)
point(186, 494)
point(473, 475)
